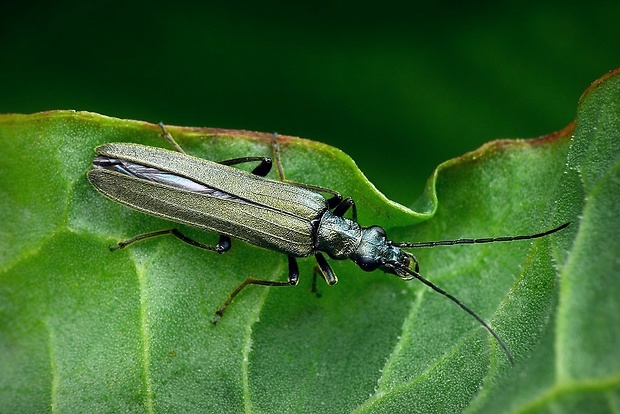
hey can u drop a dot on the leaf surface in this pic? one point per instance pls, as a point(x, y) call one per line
point(83, 329)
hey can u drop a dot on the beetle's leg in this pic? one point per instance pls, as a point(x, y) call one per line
point(261, 170)
point(334, 200)
point(275, 147)
point(344, 206)
point(293, 278)
point(222, 246)
point(323, 269)
point(171, 140)
point(326, 270)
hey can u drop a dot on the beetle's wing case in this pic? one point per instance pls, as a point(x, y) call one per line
point(264, 212)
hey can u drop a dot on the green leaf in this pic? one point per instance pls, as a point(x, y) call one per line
point(83, 329)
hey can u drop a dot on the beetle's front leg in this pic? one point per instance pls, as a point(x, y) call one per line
point(325, 270)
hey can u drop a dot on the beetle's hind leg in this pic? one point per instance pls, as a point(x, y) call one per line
point(222, 246)
point(293, 278)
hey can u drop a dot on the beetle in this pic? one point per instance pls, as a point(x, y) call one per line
point(280, 215)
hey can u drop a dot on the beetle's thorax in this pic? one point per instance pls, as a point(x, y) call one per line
point(369, 247)
point(339, 237)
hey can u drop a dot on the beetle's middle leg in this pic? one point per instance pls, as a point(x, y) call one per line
point(293, 278)
point(261, 170)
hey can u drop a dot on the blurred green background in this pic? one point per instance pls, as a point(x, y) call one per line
point(399, 86)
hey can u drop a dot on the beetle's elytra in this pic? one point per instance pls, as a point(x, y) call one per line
point(286, 217)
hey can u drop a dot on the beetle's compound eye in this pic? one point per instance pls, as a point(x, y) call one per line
point(380, 232)
point(367, 264)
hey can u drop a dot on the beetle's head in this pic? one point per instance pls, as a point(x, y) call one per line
point(376, 252)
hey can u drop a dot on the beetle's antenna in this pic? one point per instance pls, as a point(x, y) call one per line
point(463, 306)
point(414, 273)
point(479, 241)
